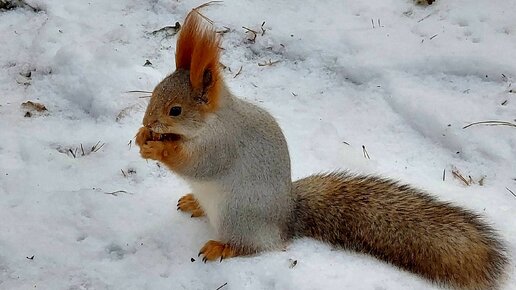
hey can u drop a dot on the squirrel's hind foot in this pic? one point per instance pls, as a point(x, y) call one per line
point(189, 203)
point(215, 250)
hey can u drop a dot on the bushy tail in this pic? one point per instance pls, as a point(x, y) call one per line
point(401, 225)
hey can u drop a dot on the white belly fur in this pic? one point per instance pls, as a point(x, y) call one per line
point(210, 196)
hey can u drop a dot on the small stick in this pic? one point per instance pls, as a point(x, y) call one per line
point(491, 123)
point(424, 18)
point(444, 174)
point(221, 286)
point(196, 9)
point(82, 149)
point(138, 91)
point(269, 63)
point(253, 32)
point(130, 143)
point(71, 151)
point(114, 193)
point(372, 22)
point(433, 36)
point(95, 148)
point(459, 176)
point(239, 71)
point(512, 192)
point(123, 172)
point(261, 27)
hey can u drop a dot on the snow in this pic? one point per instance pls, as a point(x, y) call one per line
point(399, 79)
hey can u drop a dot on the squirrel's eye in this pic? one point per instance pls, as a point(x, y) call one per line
point(175, 111)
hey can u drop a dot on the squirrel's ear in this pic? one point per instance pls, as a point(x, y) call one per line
point(186, 42)
point(198, 51)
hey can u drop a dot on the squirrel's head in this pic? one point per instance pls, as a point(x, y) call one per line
point(182, 101)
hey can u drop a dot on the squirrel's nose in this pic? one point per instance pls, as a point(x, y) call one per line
point(150, 124)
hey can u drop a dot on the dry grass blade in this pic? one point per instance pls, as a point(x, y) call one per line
point(138, 91)
point(239, 71)
point(196, 9)
point(366, 155)
point(512, 192)
point(268, 63)
point(207, 4)
point(456, 173)
point(491, 123)
point(96, 147)
point(253, 32)
point(115, 193)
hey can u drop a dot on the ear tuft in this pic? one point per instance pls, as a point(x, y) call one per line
point(198, 51)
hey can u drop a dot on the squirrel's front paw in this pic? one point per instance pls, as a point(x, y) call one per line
point(143, 135)
point(153, 150)
point(189, 203)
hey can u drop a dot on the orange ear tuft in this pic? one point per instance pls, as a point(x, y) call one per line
point(198, 51)
point(186, 41)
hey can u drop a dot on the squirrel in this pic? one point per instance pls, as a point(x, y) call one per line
point(234, 156)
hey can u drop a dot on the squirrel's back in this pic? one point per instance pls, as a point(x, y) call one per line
point(401, 225)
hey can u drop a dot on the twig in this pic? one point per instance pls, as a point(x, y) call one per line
point(512, 192)
point(268, 63)
point(71, 151)
point(253, 32)
point(459, 176)
point(130, 143)
point(207, 4)
point(239, 71)
point(115, 193)
point(491, 123)
point(123, 172)
point(433, 36)
point(444, 174)
point(424, 18)
point(82, 149)
point(221, 286)
point(196, 9)
point(95, 148)
point(366, 155)
point(138, 91)
point(261, 27)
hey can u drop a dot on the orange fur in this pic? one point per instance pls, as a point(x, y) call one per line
point(171, 153)
point(189, 203)
point(213, 250)
point(197, 50)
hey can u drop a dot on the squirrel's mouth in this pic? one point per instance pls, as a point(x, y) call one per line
point(165, 137)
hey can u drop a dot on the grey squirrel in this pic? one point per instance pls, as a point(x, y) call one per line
point(234, 156)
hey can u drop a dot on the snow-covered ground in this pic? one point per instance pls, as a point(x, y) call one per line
point(399, 79)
